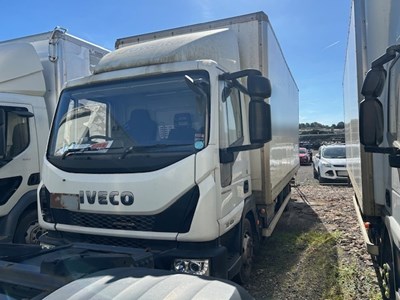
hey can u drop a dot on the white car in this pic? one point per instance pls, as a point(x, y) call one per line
point(329, 165)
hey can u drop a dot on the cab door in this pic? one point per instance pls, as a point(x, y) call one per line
point(235, 175)
point(19, 167)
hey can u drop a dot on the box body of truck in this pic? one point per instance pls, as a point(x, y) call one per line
point(374, 27)
point(33, 72)
point(190, 193)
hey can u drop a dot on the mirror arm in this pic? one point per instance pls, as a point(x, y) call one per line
point(383, 150)
point(233, 77)
point(394, 154)
point(240, 86)
point(226, 155)
point(239, 74)
point(388, 56)
point(244, 147)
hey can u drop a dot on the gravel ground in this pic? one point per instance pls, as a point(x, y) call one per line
point(316, 251)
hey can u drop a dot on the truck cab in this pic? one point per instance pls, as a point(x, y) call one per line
point(20, 143)
point(151, 151)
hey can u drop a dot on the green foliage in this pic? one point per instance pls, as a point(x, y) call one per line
point(316, 125)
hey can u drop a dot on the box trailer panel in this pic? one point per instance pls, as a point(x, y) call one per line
point(273, 166)
point(365, 43)
point(352, 82)
point(66, 57)
point(24, 71)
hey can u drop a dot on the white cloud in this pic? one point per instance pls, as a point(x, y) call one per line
point(331, 45)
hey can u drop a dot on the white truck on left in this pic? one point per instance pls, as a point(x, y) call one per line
point(33, 70)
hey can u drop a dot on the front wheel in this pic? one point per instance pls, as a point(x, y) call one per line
point(320, 179)
point(387, 270)
point(315, 172)
point(28, 230)
point(247, 253)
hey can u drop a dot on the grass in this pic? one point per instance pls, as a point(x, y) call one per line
point(308, 263)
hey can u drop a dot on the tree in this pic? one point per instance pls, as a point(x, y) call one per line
point(340, 125)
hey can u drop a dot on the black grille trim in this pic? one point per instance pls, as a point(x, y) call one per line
point(176, 218)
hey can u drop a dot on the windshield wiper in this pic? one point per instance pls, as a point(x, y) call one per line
point(74, 150)
point(82, 150)
point(132, 149)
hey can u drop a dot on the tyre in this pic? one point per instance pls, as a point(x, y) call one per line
point(28, 230)
point(386, 269)
point(247, 253)
point(315, 172)
point(320, 179)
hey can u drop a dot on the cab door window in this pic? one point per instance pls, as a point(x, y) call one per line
point(233, 116)
point(231, 129)
point(16, 131)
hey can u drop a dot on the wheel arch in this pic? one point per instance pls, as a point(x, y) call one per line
point(26, 203)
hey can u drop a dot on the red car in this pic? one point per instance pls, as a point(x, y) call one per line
point(304, 156)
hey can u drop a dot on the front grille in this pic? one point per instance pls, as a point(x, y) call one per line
point(153, 245)
point(339, 166)
point(140, 223)
point(176, 218)
point(122, 242)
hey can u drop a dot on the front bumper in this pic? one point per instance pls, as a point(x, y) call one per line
point(304, 160)
point(216, 256)
point(334, 174)
point(164, 252)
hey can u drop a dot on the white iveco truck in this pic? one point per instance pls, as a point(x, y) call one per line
point(33, 70)
point(373, 131)
point(156, 149)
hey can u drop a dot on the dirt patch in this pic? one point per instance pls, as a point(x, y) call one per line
point(316, 251)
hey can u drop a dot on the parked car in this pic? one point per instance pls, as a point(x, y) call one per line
point(309, 147)
point(304, 156)
point(329, 164)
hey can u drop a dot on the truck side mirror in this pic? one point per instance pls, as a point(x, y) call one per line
point(371, 122)
point(259, 88)
point(260, 122)
point(371, 110)
point(374, 82)
point(2, 132)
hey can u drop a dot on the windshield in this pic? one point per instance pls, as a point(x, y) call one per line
point(302, 151)
point(147, 123)
point(334, 152)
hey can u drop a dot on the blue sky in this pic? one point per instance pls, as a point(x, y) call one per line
point(312, 34)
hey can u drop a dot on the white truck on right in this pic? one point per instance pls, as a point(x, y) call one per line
point(372, 121)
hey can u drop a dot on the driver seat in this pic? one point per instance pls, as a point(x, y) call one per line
point(141, 127)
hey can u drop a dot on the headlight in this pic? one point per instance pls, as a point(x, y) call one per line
point(327, 165)
point(192, 266)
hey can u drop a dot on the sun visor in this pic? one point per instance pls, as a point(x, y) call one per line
point(21, 70)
